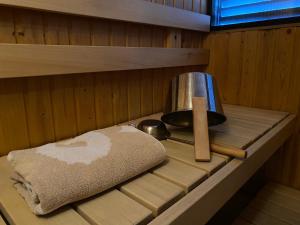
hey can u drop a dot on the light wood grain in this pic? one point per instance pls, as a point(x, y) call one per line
point(240, 130)
point(38, 111)
point(185, 153)
point(172, 182)
point(126, 10)
point(103, 81)
point(146, 35)
point(155, 193)
point(113, 208)
point(63, 95)
point(216, 190)
point(229, 151)
point(200, 128)
point(250, 67)
point(181, 174)
point(36, 60)
point(16, 210)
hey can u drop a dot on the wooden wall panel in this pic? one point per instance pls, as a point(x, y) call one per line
point(260, 68)
point(38, 110)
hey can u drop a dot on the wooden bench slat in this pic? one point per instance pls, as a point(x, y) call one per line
point(16, 210)
point(246, 123)
point(239, 130)
point(254, 114)
point(211, 195)
point(113, 208)
point(185, 153)
point(236, 132)
point(150, 194)
point(181, 174)
point(257, 111)
point(155, 193)
point(187, 136)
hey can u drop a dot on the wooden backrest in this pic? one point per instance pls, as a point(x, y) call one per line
point(37, 110)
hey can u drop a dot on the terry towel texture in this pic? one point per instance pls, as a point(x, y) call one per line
point(56, 174)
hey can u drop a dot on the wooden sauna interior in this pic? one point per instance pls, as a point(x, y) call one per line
point(255, 67)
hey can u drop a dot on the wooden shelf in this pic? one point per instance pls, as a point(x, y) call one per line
point(23, 60)
point(126, 10)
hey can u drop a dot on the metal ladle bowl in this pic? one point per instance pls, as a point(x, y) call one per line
point(156, 128)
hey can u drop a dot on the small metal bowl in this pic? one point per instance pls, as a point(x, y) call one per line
point(155, 128)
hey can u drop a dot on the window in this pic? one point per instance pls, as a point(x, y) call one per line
point(227, 13)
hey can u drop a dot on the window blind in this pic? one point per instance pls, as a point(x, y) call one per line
point(229, 12)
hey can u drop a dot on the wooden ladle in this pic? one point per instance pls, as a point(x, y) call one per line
point(202, 147)
point(201, 137)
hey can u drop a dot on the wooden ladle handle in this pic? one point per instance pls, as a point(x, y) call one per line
point(202, 148)
point(230, 151)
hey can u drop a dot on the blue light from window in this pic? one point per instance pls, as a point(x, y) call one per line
point(226, 12)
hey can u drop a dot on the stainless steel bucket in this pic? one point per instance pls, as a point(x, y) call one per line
point(186, 86)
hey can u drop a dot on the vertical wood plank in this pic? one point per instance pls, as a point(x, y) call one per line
point(85, 102)
point(39, 110)
point(249, 68)
point(56, 29)
point(38, 105)
point(28, 27)
point(158, 74)
point(293, 151)
point(173, 36)
point(7, 30)
point(100, 33)
point(13, 124)
point(186, 34)
point(62, 87)
point(146, 75)
point(120, 97)
point(219, 64)
point(283, 60)
point(120, 86)
point(101, 30)
point(235, 51)
point(285, 89)
point(267, 53)
point(134, 77)
point(80, 34)
point(259, 68)
point(173, 40)
point(64, 110)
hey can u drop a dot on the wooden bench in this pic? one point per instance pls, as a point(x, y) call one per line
point(181, 191)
